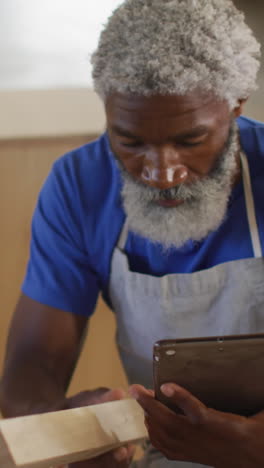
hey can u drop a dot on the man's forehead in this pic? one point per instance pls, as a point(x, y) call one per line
point(171, 105)
point(128, 114)
point(195, 130)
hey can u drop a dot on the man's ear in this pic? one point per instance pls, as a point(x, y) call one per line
point(238, 110)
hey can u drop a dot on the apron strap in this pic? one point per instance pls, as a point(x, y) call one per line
point(123, 236)
point(250, 206)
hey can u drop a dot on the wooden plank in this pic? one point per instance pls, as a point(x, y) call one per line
point(63, 437)
point(5, 458)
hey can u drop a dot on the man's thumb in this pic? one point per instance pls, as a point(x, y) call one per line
point(112, 395)
point(193, 408)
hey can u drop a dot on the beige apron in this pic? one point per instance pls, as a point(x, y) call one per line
point(222, 300)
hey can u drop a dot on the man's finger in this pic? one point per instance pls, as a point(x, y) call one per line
point(107, 460)
point(124, 453)
point(227, 424)
point(112, 395)
point(144, 397)
point(193, 408)
point(156, 410)
point(121, 454)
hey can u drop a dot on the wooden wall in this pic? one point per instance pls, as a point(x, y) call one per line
point(24, 165)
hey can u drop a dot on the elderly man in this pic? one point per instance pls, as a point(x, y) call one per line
point(157, 216)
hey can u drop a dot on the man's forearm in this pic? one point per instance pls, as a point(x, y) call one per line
point(43, 347)
point(28, 388)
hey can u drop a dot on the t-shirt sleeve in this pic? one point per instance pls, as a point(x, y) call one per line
point(59, 273)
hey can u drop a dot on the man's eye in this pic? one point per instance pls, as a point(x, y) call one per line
point(133, 144)
point(192, 143)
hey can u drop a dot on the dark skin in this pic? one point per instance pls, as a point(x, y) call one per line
point(150, 136)
point(201, 435)
point(42, 351)
point(184, 133)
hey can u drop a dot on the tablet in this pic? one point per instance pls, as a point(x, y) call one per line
point(225, 373)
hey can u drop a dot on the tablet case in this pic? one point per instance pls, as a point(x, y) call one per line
point(225, 373)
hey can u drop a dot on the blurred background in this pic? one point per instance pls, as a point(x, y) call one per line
point(47, 107)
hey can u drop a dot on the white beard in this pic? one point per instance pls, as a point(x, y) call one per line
point(203, 210)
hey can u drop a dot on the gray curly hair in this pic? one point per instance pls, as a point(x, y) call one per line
point(176, 46)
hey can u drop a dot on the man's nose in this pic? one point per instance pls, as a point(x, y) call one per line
point(164, 170)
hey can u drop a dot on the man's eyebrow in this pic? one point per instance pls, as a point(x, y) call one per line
point(194, 132)
point(123, 132)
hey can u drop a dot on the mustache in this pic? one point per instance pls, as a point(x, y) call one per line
point(182, 192)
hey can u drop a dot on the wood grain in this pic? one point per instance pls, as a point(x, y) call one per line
point(63, 437)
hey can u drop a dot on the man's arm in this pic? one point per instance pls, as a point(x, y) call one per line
point(42, 350)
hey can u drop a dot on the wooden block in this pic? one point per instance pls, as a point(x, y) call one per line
point(5, 457)
point(73, 435)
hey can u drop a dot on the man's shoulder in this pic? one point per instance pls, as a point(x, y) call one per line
point(252, 139)
point(250, 129)
point(85, 180)
point(248, 123)
point(93, 156)
point(89, 171)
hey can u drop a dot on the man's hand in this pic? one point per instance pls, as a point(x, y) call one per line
point(201, 435)
point(43, 348)
point(119, 458)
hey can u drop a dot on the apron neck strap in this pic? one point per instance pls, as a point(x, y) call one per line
point(250, 207)
point(123, 236)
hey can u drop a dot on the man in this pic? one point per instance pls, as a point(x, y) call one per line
point(155, 215)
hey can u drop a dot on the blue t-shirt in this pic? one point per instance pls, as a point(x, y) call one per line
point(79, 217)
